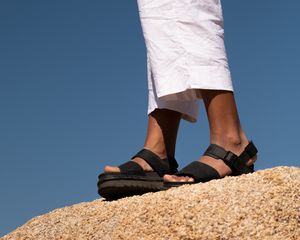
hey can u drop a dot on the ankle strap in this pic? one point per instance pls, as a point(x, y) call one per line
point(249, 152)
point(236, 163)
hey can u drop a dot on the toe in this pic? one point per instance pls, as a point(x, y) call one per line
point(108, 169)
point(174, 178)
point(190, 179)
point(185, 179)
point(169, 178)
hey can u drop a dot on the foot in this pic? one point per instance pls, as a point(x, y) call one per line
point(146, 167)
point(218, 165)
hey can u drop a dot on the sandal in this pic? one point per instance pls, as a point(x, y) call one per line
point(202, 172)
point(133, 180)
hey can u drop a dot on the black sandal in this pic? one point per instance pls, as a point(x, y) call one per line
point(202, 172)
point(133, 180)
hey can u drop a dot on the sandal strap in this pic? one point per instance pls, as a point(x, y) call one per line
point(173, 165)
point(161, 166)
point(236, 163)
point(218, 152)
point(131, 167)
point(201, 172)
point(249, 152)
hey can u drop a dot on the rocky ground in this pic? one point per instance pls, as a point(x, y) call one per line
point(262, 205)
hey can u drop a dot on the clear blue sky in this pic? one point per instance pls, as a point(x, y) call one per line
point(73, 95)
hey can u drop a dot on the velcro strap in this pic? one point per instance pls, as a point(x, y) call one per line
point(229, 158)
point(161, 166)
point(215, 151)
point(131, 167)
point(218, 152)
point(236, 163)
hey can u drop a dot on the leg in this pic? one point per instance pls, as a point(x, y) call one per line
point(225, 130)
point(161, 136)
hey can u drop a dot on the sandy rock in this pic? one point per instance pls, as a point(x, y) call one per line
point(262, 205)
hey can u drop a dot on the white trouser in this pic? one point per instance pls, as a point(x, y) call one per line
point(185, 52)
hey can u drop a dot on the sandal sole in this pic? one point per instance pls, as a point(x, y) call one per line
point(115, 189)
point(176, 184)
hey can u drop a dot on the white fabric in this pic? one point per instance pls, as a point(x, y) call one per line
point(185, 52)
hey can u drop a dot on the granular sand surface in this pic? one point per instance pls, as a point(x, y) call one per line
point(262, 205)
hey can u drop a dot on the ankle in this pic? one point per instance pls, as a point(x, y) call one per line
point(230, 142)
point(226, 138)
point(158, 149)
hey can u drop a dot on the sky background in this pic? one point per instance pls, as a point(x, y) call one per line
point(73, 95)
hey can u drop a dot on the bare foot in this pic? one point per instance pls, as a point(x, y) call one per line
point(218, 165)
